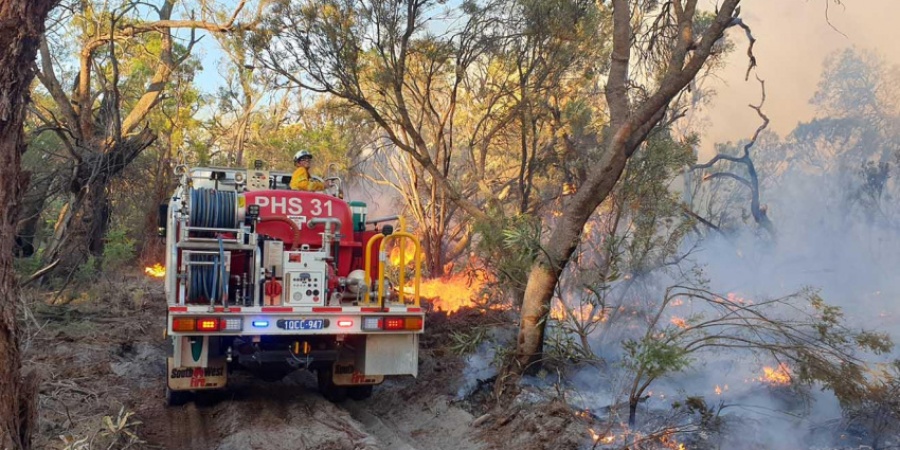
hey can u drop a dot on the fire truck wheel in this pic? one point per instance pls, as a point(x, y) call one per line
point(360, 392)
point(327, 387)
point(177, 398)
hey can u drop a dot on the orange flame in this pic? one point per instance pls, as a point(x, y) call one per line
point(778, 376)
point(598, 437)
point(156, 271)
point(409, 255)
point(735, 298)
point(450, 294)
point(584, 313)
point(669, 442)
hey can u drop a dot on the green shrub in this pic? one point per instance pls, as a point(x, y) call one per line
point(119, 249)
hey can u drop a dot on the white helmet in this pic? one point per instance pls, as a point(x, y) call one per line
point(301, 155)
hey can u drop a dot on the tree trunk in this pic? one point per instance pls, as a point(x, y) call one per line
point(30, 214)
point(545, 272)
point(632, 411)
point(21, 28)
point(81, 231)
point(629, 126)
point(96, 219)
point(434, 261)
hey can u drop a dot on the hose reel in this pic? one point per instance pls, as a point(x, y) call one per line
point(212, 208)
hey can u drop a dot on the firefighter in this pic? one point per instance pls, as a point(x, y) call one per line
point(301, 179)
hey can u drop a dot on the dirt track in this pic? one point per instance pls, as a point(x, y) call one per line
point(99, 357)
point(290, 414)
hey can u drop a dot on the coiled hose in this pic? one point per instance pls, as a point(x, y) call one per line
point(203, 278)
point(213, 209)
point(295, 242)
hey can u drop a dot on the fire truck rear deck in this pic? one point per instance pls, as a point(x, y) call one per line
point(263, 278)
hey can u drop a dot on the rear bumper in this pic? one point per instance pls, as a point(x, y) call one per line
point(267, 321)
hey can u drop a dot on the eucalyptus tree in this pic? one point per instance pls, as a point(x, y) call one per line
point(370, 54)
point(22, 30)
point(102, 119)
point(470, 94)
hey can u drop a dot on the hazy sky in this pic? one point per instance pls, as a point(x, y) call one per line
point(793, 39)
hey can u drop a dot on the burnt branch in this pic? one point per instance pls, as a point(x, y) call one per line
point(737, 178)
point(687, 211)
point(751, 181)
point(828, 19)
point(737, 22)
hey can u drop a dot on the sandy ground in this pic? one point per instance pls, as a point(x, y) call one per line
point(291, 414)
point(108, 360)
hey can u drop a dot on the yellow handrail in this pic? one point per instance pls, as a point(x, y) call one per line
point(368, 257)
point(382, 259)
point(417, 261)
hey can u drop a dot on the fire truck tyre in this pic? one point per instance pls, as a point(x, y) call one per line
point(177, 398)
point(327, 387)
point(360, 392)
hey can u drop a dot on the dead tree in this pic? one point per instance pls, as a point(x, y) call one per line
point(751, 181)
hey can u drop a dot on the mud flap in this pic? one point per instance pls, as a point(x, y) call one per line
point(212, 376)
point(389, 354)
point(192, 367)
point(345, 372)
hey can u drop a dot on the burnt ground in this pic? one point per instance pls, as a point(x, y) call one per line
point(100, 357)
point(99, 354)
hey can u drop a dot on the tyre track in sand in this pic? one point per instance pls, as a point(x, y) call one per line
point(291, 414)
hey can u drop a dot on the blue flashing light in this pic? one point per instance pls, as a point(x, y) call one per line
point(260, 323)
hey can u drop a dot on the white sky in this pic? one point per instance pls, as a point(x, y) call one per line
point(793, 39)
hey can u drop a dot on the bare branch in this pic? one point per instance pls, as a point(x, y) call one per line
point(750, 56)
point(758, 210)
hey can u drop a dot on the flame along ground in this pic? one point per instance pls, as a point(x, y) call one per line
point(778, 376)
point(157, 270)
point(665, 439)
point(449, 293)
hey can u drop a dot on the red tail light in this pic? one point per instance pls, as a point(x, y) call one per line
point(394, 323)
point(345, 323)
point(208, 324)
point(391, 323)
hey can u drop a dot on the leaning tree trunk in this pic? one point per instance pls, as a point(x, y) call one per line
point(630, 124)
point(21, 28)
point(80, 234)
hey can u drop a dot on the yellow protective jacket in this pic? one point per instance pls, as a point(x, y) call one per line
point(300, 181)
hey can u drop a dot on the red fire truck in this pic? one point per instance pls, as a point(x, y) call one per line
point(271, 280)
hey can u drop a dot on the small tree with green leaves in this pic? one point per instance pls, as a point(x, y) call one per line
point(800, 330)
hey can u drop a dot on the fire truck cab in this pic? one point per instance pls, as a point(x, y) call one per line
point(263, 278)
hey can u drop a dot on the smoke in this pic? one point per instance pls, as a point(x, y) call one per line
point(829, 238)
point(793, 39)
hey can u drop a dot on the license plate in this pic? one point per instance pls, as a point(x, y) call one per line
point(301, 324)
